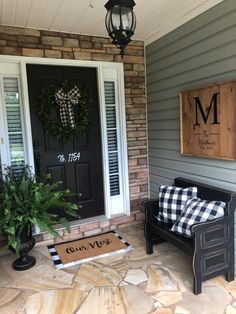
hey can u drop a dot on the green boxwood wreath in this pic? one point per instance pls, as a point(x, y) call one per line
point(82, 112)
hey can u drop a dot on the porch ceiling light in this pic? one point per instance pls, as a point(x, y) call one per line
point(120, 22)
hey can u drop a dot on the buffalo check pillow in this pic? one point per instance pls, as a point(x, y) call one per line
point(195, 211)
point(172, 200)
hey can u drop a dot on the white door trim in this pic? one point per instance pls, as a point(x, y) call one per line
point(102, 69)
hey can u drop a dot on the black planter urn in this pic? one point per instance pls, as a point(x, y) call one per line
point(27, 240)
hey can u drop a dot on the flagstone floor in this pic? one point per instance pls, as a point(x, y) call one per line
point(130, 283)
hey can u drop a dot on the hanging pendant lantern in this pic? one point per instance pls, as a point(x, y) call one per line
point(120, 22)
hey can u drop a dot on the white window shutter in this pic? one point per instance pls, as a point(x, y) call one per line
point(14, 123)
point(113, 156)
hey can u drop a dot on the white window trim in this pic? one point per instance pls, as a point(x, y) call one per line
point(102, 69)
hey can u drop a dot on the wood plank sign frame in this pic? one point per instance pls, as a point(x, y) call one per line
point(208, 121)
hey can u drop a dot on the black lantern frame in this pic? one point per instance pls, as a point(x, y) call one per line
point(120, 22)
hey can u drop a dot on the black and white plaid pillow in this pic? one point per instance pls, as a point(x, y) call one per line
point(195, 211)
point(172, 200)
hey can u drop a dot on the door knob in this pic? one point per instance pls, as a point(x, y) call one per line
point(37, 161)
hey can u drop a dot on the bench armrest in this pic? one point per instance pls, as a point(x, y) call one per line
point(151, 209)
point(198, 228)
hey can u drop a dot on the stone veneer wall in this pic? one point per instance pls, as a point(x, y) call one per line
point(47, 44)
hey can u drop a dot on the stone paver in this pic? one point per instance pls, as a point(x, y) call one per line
point(54, 301)
point(135, 276)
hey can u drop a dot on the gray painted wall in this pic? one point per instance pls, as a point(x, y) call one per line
point(199, 53)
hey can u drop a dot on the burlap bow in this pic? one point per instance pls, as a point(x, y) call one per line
point(65, 102)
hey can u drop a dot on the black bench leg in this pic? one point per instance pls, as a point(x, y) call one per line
point(148, 236)
point(197, 274)
point(149, 246)
point(230, 274)
point(197, 285)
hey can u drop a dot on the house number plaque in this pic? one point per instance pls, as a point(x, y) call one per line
point(71, 157)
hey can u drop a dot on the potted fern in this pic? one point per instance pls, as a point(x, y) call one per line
point(27, 200)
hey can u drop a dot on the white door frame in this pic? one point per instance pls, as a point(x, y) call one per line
point(105, 71)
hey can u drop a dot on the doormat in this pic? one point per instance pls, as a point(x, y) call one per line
point(75, 252)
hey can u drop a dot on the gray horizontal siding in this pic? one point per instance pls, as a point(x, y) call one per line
point(214, 20)
point(200, 53)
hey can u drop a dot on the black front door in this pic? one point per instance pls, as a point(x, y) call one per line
point(77, 163)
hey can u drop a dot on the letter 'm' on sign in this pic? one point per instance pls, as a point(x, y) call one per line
point(204, 115)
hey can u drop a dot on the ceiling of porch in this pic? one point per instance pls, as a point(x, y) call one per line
point(155, 18)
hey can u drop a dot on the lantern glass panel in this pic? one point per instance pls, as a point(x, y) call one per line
point(126, 18)
point(121, 18)
point(115, 17)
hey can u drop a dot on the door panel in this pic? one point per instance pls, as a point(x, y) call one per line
point(83, 175)
point(58, 174)
point(81, 172)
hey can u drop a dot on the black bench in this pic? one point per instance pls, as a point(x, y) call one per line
point(212, 244)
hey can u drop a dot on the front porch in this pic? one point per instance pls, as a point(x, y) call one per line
point(185, 52)
point(132, 283)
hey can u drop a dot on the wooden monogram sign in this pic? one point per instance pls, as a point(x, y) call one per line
point(208, 121)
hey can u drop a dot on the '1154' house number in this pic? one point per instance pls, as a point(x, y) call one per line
point(69, 157)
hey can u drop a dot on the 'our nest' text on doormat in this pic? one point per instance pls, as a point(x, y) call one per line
point(75, 252)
